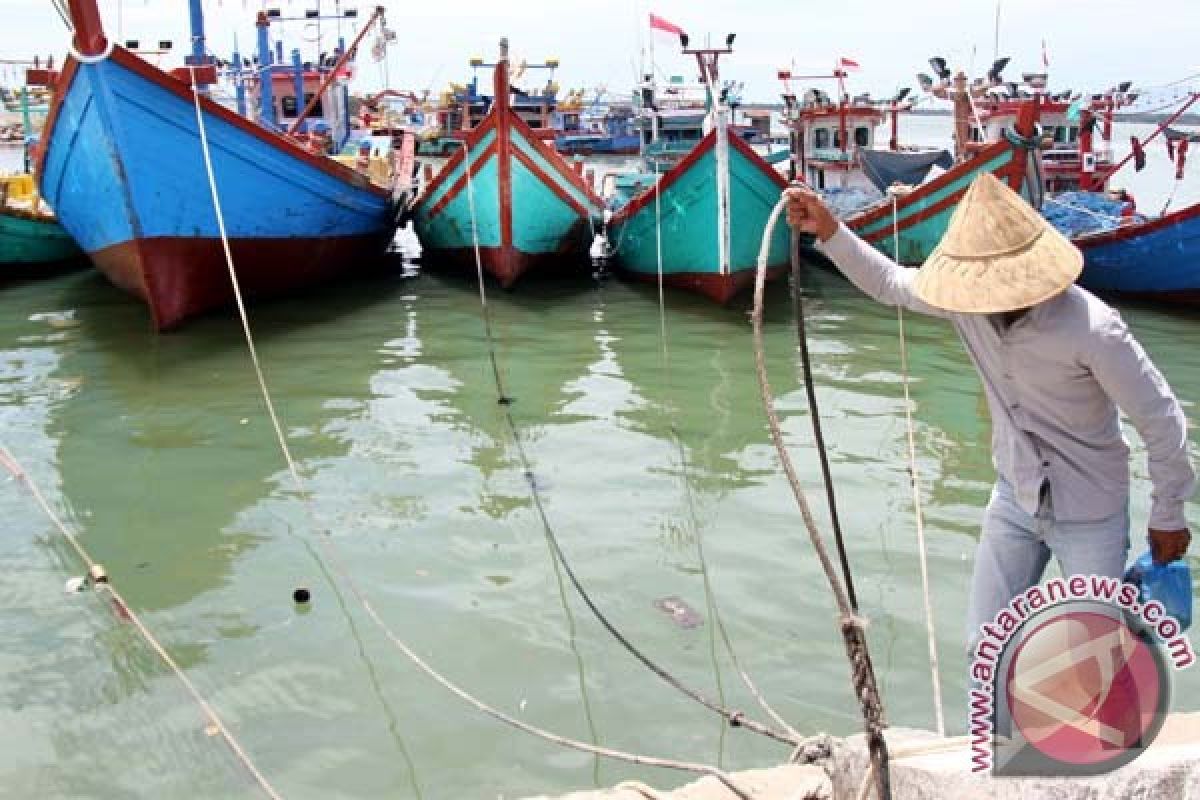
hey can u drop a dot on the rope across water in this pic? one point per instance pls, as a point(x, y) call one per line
point(347, 578)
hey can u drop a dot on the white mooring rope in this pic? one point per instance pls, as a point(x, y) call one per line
point(915, 482)
point(101, 582)
point(359, 594)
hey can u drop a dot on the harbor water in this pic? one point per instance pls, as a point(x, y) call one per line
point(653, 461)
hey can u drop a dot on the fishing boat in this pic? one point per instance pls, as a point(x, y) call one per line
point(700, 222)
point(910, 221)
point(596, 128)
point(124, 163)
point(30, 236)
point(31, 239)
point(834, 143)
point(507, 194)
point(1154, 259)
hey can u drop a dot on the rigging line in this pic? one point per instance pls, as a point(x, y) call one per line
point(551, 539)
point(683, 460)
point(100, 581)
point(262, 384)
point(850, 623)
point(332, 555)
point(735, 718)
point(574, 645)
point(810, 391)
point(915, 480)
point(63, 15)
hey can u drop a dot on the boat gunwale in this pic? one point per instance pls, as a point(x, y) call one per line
point(153, 75)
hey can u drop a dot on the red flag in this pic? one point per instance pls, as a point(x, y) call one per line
point(1181, 151)
point(847, 63)
point(661, 24)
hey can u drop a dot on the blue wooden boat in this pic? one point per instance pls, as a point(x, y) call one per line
point(123, 166)
point(1157, 259)
point(526, 207)
point(703, 219)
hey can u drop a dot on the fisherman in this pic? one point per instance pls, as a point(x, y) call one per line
point(1056, 364)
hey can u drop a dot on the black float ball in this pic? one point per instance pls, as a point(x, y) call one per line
point(301, 596)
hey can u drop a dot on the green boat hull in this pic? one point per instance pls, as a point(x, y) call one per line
point(921, 217)
point(684, 223)
point(27, 241)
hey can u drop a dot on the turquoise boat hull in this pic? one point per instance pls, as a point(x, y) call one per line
point(28, 241)
point(686, 206)
point(508, 196)
point(920, 218)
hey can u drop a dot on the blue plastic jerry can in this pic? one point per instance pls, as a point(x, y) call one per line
point(1169, 584)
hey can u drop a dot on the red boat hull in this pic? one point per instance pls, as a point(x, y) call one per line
point(182, 277)
point(720, 289)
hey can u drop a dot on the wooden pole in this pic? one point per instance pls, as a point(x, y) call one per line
point(89, 28)
point(333, 73)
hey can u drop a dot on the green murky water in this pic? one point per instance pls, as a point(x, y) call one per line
point(158, 450)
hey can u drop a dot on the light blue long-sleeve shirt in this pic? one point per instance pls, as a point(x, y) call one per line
point(1054, 380)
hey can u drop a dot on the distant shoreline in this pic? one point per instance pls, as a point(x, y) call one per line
point(1186, 119)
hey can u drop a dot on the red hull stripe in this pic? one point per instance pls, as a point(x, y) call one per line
point(549, 182)
point(740, 145)
point(452, 163)
point(925, 190)
point(949, 201)
point(667, 178)
point(1133, 231)
point(718, 288)
point(456, 188)
point(152, 74)
point(554, 158)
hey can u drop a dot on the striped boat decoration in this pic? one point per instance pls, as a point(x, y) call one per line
point(509, 192)
point(922, 215)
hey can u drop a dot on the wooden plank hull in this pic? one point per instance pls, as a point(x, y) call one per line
point(28, 241)
point(123, 167)
point(687, 228)
point(1158, 259)
point(511, 195)
point(923, 215)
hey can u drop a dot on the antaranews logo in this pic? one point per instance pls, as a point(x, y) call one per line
point(1072, 678)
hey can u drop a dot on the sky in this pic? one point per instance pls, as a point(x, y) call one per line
point(1090, 44)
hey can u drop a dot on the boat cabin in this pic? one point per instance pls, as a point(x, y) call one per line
point(1069, 149)
point(830, 137)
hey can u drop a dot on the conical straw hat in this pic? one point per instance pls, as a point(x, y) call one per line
point(998, 254)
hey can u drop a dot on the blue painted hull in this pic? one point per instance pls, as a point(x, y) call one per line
point(1159, 258)
point(123, 167)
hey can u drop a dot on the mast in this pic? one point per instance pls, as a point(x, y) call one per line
point(842, 100)
point(89, 28)
point(196, 18)
point(266, 89)
point(707, 59)
point(1087, 163)
point(298, 87)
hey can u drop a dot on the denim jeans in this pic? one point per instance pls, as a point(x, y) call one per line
point(1016, 547)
